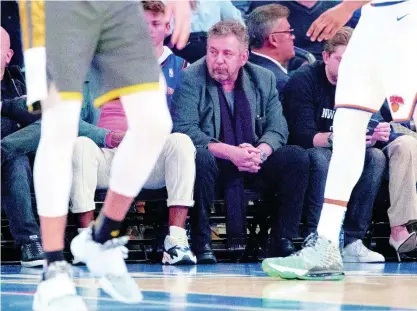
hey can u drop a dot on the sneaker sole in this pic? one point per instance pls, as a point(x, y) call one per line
point(353, 259)
point(34, 263)
point(109, 289)
point(186, 260)
point(322, 276)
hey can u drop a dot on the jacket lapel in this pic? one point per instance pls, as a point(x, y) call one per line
point(212, 89)
point(251, 95)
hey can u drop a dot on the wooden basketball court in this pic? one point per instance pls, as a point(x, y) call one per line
point(242, 287)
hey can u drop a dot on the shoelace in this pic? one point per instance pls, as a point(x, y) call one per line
point(181, 241)
point(310, 241)
point(34, 248)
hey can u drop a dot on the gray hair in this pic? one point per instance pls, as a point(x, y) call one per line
point(261, 20)
point(225, 28)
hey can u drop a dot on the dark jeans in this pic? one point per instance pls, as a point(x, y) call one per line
point(17, 179)
point(24, 141)
point(16, 199)
point(360, 207)
point(8, 126)
point(285, 174)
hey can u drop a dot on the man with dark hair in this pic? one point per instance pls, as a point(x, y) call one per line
point(230, 109)
point(303, 14)
point(271, 40)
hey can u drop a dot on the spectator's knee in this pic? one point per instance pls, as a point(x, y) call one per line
point(319, 159)
point(404, 146)
point(181, 144)
point(83, 147)
point(205, 161)
point(376, 158)
point(299, 156)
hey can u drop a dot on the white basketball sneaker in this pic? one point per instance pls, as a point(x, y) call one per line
point(57, 291)
point(106, 261)
point(177, 251)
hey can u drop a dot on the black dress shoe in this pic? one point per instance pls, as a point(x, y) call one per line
point(281, 248)
point(205, 256)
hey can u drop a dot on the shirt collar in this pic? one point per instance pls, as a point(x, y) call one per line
point(272, 60)
point(166, 52)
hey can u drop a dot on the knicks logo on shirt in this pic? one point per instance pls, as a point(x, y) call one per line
point(396, 102)
point(170, 91)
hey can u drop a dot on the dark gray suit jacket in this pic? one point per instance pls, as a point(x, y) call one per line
point(196, 110)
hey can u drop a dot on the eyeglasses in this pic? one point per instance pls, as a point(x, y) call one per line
point(290, 32)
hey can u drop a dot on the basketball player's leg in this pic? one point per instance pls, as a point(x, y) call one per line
point(52, 171)
point(394, 81)
point(60, 116)
point(130, 72)
point(358, 95)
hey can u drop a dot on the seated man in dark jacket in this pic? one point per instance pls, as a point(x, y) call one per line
point(271, 40)
point(14, 113)
point(309, 108)
point(16, 175)
point(303, 14)
point(231, 111)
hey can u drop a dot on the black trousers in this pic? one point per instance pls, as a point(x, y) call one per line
point(285, 173)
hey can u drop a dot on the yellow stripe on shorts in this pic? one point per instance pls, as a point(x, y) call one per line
point(71, 96)
point(38, 23)
point(123, 91)
point(32, 21)
point(24, 23)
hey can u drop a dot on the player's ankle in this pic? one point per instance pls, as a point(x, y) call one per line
point(54, 256)
point(105, 229)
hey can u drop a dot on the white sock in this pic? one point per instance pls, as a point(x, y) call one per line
point(345, 169)
point(175, 231)
point(331, 221)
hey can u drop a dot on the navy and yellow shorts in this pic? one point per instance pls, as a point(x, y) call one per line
point(109, 37)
